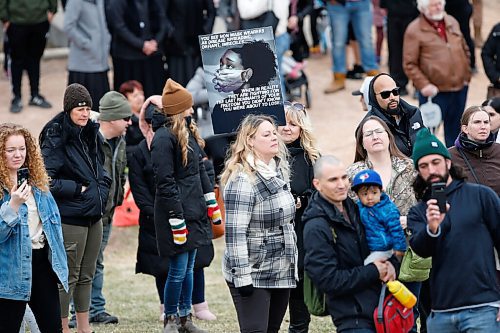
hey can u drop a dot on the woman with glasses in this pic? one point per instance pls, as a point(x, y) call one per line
point(73, 156)
point(32, 253)
point(377, 150)
point(301, 143)
point(260, 255)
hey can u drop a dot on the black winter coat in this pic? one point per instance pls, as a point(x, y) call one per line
point(74, 158)
point(301, 187)
point(142, 184)
point(133, 136)
point(336, 267)
point(179, 192)
point(404, 132)
point(491, 56)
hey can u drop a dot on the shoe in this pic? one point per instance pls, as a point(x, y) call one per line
point(187, 326)
point(103, 318)
point(373, 72)
point(202, 312)
point(338, 83)
point(316, 49)
point(40, 101)
point(16, 105)
point(170, 325)
point(356, 73)
point(72, 322)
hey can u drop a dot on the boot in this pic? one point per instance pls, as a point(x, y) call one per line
point(202, 312)
point(170, 325)
point(162, 313)
point(478, 39)
point(338, 83)
point(372, 72)
point(187, 326)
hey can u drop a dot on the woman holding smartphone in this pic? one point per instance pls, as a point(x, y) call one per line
point(32, 253)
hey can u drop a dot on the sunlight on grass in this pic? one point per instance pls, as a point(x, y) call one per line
point(133, 297)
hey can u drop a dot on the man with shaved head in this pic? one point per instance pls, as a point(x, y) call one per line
point(335, 248)
point(403, 119)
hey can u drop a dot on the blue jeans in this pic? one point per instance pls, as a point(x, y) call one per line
point(452, 106)
point(97, 301)
point(282, 45)
point(198, 286)
point(476, 320)
point(360, 14)
point(179, 286)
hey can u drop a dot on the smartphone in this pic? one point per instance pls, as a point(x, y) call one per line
point(438, 193)
point(22, 175)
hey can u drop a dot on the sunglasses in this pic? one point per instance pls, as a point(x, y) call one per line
point(127, 119)
point(295, 105)
point(387, 93)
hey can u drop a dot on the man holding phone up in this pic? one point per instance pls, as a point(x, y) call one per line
point(460, 238)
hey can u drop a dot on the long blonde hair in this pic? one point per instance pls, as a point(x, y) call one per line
point(307, 138)
point(240, 150)
point(193, 127)
point(34, 162)
point(177, 124)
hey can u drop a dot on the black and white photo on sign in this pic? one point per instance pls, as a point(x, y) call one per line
point(242, 77)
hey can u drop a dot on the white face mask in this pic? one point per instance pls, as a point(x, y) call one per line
point(228, 80)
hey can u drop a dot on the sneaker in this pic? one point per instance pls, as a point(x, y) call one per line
point(104, 318)
point(72, 322)
point(356, 73)
point(16, 105)
point(40, 101)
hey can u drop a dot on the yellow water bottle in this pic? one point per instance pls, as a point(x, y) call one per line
point(402, 294)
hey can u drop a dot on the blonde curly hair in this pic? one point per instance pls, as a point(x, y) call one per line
point(240, 150)
point(307, 138)
point(34, 162)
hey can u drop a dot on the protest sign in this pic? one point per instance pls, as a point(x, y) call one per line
point(242, 77)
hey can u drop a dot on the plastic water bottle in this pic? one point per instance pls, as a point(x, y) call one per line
point(402, 294)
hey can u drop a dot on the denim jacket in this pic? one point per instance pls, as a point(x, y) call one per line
point(15, 245)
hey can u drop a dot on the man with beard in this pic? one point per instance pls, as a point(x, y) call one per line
point(436, 59)
point(465, 294)
point(403, 119)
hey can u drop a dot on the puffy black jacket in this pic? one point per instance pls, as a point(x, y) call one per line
point(74, 158)
point(336, 267)
point(491, 56)
point(404, 132)
point(179, 192)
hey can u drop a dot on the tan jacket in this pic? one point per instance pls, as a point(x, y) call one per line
point(427, 58)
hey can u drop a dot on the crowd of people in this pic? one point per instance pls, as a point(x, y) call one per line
point(289, 210)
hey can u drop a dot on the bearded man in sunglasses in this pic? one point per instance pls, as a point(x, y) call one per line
point(403, 119)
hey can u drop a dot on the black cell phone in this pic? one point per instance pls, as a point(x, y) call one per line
point(438, 193)
point(22, 175)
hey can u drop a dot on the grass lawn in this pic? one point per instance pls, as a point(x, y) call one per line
point(133, 297)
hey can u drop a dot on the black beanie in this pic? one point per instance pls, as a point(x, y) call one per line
point(75, 96)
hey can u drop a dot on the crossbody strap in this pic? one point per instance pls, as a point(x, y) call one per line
point(468, 165)
point(380, 308)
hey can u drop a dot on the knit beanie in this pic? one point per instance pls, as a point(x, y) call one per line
point(76, 96)
point(426, 144)
point(114, 106)
point(175, 98)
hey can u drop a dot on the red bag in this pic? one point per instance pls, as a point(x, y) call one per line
point(218, 229)
point(390, 316)
point(127, 214)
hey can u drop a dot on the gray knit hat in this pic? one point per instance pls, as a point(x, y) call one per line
point(76, 96)
point(114, 106)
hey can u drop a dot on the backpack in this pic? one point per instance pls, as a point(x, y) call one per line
point(315, 300)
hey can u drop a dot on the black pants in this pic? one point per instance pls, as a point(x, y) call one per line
point(299, 315)
point(44, 301)
point(96, 83)
point(463, 15)
point(396, 27)
point(27, 42)
point(263, 311)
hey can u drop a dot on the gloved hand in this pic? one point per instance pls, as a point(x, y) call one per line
point(246, 291)
point(179, 230)
point(213, 210)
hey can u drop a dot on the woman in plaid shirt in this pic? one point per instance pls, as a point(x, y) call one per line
point(260, 256)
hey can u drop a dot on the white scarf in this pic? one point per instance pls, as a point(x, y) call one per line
point(267, 171)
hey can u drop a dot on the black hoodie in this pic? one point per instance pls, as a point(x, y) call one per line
point(411, 120)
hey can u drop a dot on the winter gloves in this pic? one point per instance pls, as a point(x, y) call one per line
point(213, 210)
point(179, 230)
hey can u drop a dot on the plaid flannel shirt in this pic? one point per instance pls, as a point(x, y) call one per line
point(260, 240)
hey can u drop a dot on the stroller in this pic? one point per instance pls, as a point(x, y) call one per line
point(296, 83)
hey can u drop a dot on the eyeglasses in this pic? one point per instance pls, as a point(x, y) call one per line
point(127, 119)
point(377, 131)
point(295, 105)
point(387, 93)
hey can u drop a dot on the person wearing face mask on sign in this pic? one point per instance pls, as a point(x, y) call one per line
point(250, 66)
point(403, 119)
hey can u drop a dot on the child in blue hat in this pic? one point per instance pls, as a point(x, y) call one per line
point(380, 217)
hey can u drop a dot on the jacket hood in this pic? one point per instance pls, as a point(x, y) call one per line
point(319, 207)
point(158, 120)
point(63, 126)
point(403, 108)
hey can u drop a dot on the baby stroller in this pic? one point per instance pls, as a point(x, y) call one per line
point(297, 89)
